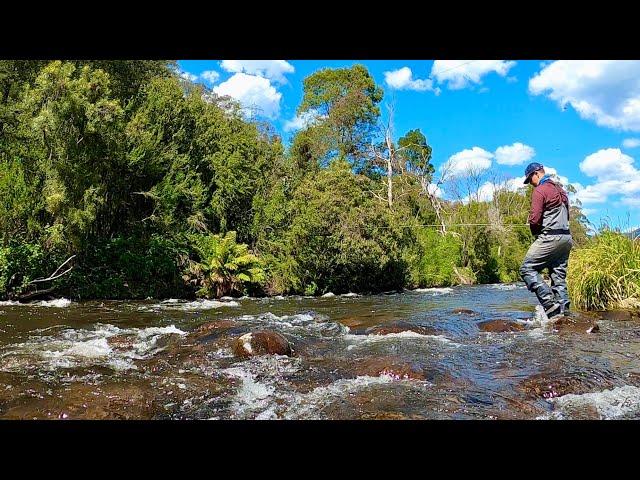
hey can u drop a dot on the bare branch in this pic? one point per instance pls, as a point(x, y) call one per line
point(53, 275)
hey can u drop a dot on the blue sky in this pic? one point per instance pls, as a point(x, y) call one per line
point(582, 118)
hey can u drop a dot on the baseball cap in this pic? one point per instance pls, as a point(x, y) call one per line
point(531, 168)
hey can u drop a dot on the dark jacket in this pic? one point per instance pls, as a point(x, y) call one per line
point(549, 208)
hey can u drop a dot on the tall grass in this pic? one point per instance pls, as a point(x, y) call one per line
point(605, 273)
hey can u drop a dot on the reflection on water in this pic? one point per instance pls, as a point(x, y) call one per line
point(473, 352)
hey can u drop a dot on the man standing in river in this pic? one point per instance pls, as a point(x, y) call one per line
point(549, 223)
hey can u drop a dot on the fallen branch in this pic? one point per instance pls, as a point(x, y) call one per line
point(53, 275)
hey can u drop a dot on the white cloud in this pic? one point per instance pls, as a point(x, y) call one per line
point(301, 121)
point(461, 73)
point(552, 171)
point(609, 164)
point(402, 79)
point(474, 160)
point(434, 189)
point(515, 154)
point(589, 211)
point(272, 69)
point(189, 76)
point(631, 142)
point(210, 76)
point(631, 201)
point(615, 174)
point(605, 91)
point(486, 191)
point(252, 92)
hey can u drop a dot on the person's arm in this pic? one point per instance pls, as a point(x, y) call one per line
point(565, 200)
point(535, 216)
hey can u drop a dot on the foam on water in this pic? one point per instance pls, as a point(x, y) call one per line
point(251, 395)
point(174, 304)
point(539, 323)
point(434, 291)
point(350, 295)
point(309, 405)
point(57, 303)
point(359, 340)
point(303, 323)
point(619, 402)
point(71, 348)
point(503, 286)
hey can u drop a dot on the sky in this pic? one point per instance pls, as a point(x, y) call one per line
point(580, 119)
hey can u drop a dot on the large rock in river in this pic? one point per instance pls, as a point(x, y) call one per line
point(500, 325)
point(575, 323)
point(399, 327)
point(262, 343)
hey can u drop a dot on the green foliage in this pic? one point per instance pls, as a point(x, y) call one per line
point(416, 153)
point(345, 100)
point(340, 238)
point(224, 266)
point(432, 259)
point(19, 264)
point(129, 267)
point(605, 273)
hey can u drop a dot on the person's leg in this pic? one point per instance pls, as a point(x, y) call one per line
point(537, 258)
point(558, 272)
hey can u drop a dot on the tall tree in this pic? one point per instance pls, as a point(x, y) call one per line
point(345, 102)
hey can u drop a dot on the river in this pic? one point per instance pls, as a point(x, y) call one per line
point(421, 354)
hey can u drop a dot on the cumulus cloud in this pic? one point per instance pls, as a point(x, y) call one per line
point(631, 201)
point(515, 154)
point(272, 69)
point(615, 174)
point(631, 142)
point(210, 76)
point(402, 79)
point(189, 76)
point(301, 121)
point(475, 160)
point(553, 172)
point(462, 73)
point(487, 190)
point(253, 93)
point(434, 189)
point(608, 164)
point(604, 91)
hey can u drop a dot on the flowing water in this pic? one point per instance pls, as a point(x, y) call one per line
point(173, 359)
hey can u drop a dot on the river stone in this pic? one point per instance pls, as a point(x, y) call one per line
point(262, 343)
point(616, 315)
point(500, 325)
point(395, 367)
point(399, 327)
point(122, 341)
point(466, 311)
point(555, 384)
point(575, 323)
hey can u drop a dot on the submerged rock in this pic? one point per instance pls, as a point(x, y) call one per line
point(616, 315)
point(262, 343)
point(399, 327)
point(555, 384)
point(500, 325)
point(465, 311)
point(394, 367)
